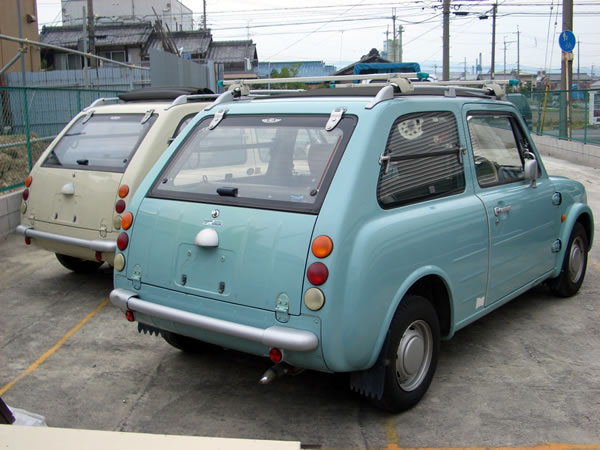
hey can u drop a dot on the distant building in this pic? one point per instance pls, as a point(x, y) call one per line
point(9, 25)
point(120, 42)
point(130, 42)
point(239, 58)
point(305, 68)
point(174, 14)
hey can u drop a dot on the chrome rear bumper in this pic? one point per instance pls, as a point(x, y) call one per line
point(96, 245)
point(280, 337)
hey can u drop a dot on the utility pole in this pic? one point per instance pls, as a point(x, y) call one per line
point(492, 68)
point(518, 53)
point(446, 41)
point(394, 36)
point(91, 35)
point(400, 31)
point(204, 15)
point(504, 69)
point(566, 72)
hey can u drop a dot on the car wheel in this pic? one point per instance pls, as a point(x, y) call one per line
point(183, 343)
point(574, 264)
point(412, 354)
point(78, 265)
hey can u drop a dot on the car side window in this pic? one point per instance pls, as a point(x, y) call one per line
point(422, 160)
point(496, 150)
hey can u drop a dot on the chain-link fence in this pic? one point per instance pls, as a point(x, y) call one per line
point(552, 116)
point(29, 119)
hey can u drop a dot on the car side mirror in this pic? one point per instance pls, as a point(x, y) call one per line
point(531, 171)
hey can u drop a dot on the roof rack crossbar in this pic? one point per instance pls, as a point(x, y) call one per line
point(101, 101)
point(187, 97)
point(372, 76)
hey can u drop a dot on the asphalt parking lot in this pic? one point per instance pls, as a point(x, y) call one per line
point(528, 373)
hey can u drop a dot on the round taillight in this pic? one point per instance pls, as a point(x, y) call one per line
point(322, 246)
point(25, 194)
point(119, 262)
point(129, 316)
point(275, 355)
point(122, 241)
point(126, 221)
point(314, 299)
point(27, 240)
point(317, 273)
point(28, 181)
point(120, 206)
point(123, 190)
point(99, 256)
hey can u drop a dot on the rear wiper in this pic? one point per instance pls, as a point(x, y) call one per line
point(83, 162)
point(227, 191)
point(74, 134)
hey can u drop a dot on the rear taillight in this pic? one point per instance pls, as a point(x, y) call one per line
point(322, 246)
point(126, 221)
point(123, 191)
point(122, 241)
point(317, 273)
point(25, 194)
point(28, 181)
point(120, 206)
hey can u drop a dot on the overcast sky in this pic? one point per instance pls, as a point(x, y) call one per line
point(341, 32)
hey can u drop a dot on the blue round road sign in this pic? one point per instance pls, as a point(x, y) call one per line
point(566, 40)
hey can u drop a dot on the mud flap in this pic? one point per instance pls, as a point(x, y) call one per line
point(143, 328)
point(370, 382)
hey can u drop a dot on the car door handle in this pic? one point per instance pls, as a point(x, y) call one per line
point(504, 209)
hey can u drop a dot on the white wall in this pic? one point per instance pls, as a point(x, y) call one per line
point(172, 12)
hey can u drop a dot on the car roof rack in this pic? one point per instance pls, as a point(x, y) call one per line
point(393, 84)
point(178, 96)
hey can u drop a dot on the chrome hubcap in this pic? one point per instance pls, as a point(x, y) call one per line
point(413, 356)
point(576, 260)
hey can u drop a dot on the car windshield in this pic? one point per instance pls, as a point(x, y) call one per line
point(254, 160)
point(104, 142)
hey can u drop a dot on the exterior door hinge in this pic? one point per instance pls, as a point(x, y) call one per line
point(282, 308)
point(334, 118)
point(136, 277)
point(217, 119)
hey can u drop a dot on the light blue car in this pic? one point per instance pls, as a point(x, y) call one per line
point(347, 230)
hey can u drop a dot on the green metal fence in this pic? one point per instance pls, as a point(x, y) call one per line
point(552, 116)
point(30, 118)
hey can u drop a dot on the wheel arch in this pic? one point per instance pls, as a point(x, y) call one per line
point(434, 288)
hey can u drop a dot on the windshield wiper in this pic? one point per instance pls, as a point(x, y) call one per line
point(227, 191)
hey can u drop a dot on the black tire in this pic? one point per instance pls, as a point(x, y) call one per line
point(574, 264)
point(412, 354)
point(183, 343)
point(78, 265)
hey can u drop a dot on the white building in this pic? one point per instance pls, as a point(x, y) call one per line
point(173, 13)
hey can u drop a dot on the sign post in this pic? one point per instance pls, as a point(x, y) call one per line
point(567, 41)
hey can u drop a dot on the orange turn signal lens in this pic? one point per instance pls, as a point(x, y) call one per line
point(563, 218)
point(126, 221)
point(322, 246)
point(28, 181)
point(123, 191)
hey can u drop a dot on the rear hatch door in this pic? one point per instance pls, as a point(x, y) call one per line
point(77, 182)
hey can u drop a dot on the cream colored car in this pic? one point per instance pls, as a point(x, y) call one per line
point(83, 182)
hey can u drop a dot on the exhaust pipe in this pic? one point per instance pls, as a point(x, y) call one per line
point(277, 371)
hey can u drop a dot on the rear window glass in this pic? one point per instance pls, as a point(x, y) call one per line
point(104, 142)
point(279, 162)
